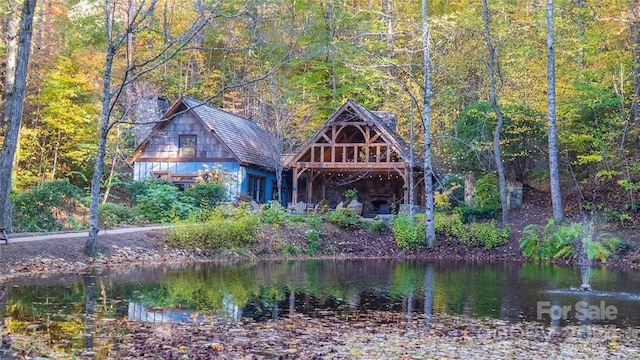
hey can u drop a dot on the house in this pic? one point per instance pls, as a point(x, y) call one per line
point(193, 136)
point(357, 149)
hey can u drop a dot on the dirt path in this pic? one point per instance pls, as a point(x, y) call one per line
point(17, 238)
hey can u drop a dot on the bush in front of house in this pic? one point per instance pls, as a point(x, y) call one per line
point(112, 214)
point(215, 230)
point(136, 188)
point(161, 203)
point(273, 213)
point(377, 226)
point(205, 195)
point(345, 218)
point(44, 207)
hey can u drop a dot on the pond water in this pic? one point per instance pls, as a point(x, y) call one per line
point(65, 306)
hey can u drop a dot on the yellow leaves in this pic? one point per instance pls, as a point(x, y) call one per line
point(589, 159)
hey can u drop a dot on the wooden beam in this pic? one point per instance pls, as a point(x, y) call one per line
point(294, 188)
point(352, 165)
point(310, 178)
point(405, 178)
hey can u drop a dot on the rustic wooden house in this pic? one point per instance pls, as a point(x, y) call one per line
point(193, 136)
point(357, 149)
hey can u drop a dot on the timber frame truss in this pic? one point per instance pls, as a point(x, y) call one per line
point(352, 145)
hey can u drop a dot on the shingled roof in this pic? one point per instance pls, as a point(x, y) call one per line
point(246, 140)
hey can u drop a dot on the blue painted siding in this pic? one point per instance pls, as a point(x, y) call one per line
point(269, 176)
point(142, 170)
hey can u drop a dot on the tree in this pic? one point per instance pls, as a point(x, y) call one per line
point(137, 22)
point(275, 117)
point(14, 98)
point(428, 168)
point(502, 181)
point(554, 167)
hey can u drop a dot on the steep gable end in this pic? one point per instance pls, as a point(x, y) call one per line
point(353, 134)
point(182, 136)
point(219, 136)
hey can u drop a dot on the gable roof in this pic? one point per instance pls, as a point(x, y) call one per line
point(370, 118)
point(244, 138)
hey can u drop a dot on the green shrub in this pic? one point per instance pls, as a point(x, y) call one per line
point(313, 241)
point(553, 241)
point(345, 218)
point(205, 195)
point(378, 227)
point(135, 188)
point(409, 235)
point(42, 207)
point(273, 213)
point(602, 247)
point(314, 221)
point(214, 231)
point(298, 218)
point(487, 193)
point(487, 235)
point(471, 214)
point(161, 203)
point(111, 214)
point(290, 249)
point(451, 226)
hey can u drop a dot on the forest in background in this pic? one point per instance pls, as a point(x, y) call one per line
point(295, 62)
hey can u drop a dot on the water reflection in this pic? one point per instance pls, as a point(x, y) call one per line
point(269, 290)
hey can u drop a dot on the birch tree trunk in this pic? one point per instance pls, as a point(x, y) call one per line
point(554, 167)
point(131, 73)
point(91, 246)
point(428, 169)
point(13, 109)
point(634, 114)
point(498, 131)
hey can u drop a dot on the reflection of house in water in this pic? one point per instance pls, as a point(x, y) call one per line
point(139, 312)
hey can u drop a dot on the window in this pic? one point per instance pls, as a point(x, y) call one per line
point(256, 188)
point(187, 146)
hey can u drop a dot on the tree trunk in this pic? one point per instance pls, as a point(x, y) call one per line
point(498, 131)
point(91, 247)
point(554, 166)
point(13, 23)
point(634, 27)
point(388, 15)
point(428, 169)
point(13, 109)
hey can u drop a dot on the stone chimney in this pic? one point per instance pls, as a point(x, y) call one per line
point(148, 111)
point(388, 118)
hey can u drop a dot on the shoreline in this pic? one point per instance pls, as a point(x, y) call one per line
point(148, 248)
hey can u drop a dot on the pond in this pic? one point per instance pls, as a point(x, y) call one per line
point(65, 307)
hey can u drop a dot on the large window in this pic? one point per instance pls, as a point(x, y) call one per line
point(187, 146)
point(256, 188)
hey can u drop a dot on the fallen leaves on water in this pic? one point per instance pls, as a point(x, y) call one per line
point(371, 336)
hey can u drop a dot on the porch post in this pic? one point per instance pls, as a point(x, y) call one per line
point(294, 187)
point(405, 177)
point(324, 186)
point(310, 177)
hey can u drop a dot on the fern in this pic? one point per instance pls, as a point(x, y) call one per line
point(530, 242)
